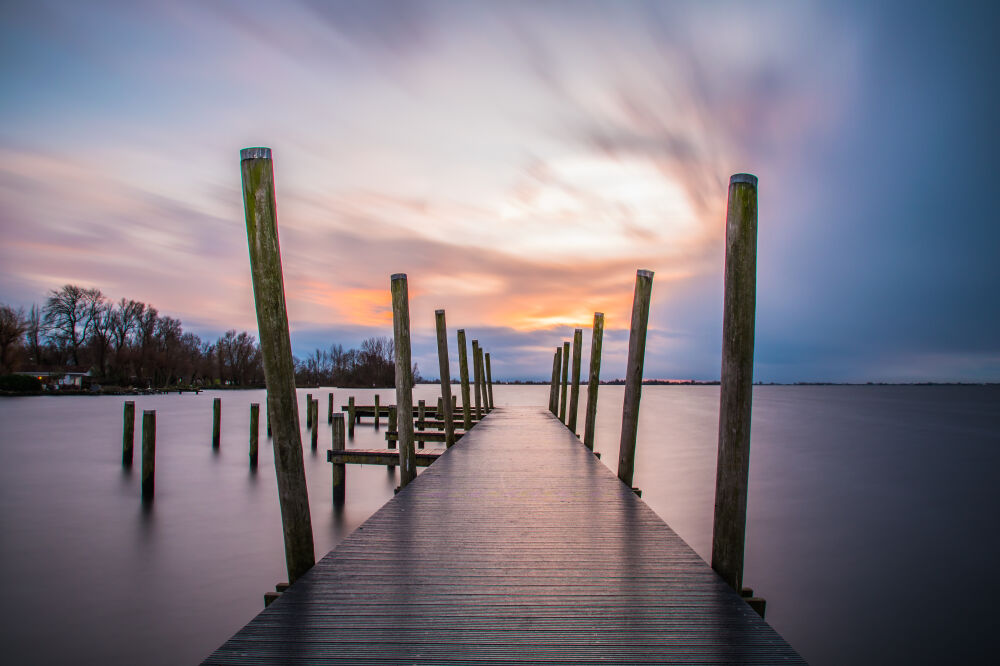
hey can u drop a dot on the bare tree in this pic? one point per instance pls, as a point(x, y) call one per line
point(12, 327)
point(68, 313)
point(33, 334)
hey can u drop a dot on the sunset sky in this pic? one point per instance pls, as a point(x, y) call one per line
point(519, 161)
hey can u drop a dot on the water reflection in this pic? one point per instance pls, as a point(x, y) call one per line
point(873, 487)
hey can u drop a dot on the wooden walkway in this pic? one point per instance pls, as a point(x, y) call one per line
point(516, 546)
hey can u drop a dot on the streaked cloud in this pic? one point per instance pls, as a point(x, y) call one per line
point(518, 160)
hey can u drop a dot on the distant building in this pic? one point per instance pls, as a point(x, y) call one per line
point(52, 377)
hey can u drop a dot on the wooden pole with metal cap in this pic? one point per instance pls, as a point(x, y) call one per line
point(276, 352)
point(404, 379)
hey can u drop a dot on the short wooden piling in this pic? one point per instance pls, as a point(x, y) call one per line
point(377, 409)
point(564, 391)
point(554, 387)
point(216, 422)
point(477, 386)
point(148, 453)
point(276, 352)
point(404, 378)
point(736, 382)
point(421, 416)
point(489, 381)
point(351, 416)
point(314, 434)
point(482, 382)
point(254, 433)
point(463, 368)
point(444, 410)
point(128, 432)
point(392, 426)
point(633, 374)
point(593, 380)
point(329, 407)
point(309, 410)
point(574, 393)
point(339, 469)
point(267, 413)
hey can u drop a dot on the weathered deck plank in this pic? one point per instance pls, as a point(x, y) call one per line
point(515, 546)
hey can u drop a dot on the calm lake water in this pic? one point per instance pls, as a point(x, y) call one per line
point(872, 517)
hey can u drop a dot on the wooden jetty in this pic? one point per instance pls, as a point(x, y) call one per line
point(516, 546)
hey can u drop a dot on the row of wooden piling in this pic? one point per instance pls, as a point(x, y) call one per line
point(736, 383)
point(566, 391)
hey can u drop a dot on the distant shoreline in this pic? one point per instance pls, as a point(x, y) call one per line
point(613, 382)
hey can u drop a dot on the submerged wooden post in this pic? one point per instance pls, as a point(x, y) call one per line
point(377, 409)
point(463, 368)
point(421, 415)
point(489, 381)
point(128, 432)
point(148, 453)
point(736, 381)
point(404, 378)
point(339, 469)
point(314, 434)
point(309, 410)
point(475, 378)
point(216, 422)
point(276, 352)
point(593, 380)
point(564, 391)
point(574, 394)
point(482, 382)
point(351, 417)
point(329, 407)
point(254, 433)
point(633, 374)
point(554, 387)
point(392, 425)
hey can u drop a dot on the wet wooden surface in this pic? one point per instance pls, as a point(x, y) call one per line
point(516, 546)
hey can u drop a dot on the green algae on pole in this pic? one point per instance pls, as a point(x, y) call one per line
point(404, 378)
point(463, 370)
point(489, 381)
point(148, 453)
point(254, 433)
point(554, 387)
point(276, 353)
point(565, 382)
point(444, 404)
point(216, 422)
point(633, 375)
point(128, 432)
point(377, 410)
point(339, 469)
point(736, 381)
point(309, 410)
point(594, 380)
point(574, 394)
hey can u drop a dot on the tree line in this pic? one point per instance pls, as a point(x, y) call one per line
point(129, 343)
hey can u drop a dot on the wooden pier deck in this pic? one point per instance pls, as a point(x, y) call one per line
point(516, 546)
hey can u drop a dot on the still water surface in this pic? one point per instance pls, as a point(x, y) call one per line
point(872, 516)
